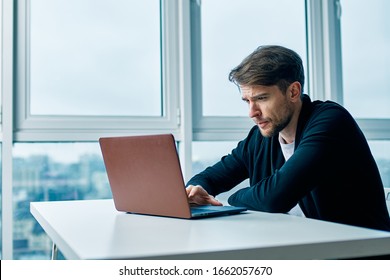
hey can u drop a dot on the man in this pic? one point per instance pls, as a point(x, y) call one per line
point(299, 152)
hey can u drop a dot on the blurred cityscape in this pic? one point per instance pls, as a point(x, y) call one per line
point(40, 178)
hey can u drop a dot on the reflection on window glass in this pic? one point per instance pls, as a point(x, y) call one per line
point(366, 56)
point(235, 33)
point(95, 57)
point(49, 172)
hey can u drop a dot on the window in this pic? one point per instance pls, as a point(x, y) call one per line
point(101, 71)
point(83, 69)
point(365, 58)
point(49, 172)
point(240, 29)
point(221, 42)
point(105, 61)
point(365, 75)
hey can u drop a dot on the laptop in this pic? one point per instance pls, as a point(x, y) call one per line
point(145, 178)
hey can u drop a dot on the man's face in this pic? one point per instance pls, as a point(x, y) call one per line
point(269, 108)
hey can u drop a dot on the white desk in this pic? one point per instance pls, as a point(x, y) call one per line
point(93, 229)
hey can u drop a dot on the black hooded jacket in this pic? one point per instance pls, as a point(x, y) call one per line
point(332, 173)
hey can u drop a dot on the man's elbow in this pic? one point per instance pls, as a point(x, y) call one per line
point(274, 205)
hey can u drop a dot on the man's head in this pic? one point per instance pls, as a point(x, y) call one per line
point(268, 66)
point(271, 80)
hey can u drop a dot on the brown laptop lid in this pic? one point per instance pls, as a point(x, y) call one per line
point(145, 175)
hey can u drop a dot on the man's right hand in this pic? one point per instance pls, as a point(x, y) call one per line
point(199, 196)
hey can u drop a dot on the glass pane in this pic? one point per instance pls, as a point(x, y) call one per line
point(51, 171)
point(366, 56)
point(95, 57)
point(237, 31)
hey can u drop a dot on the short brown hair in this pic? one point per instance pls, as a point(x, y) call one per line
point(269, 65)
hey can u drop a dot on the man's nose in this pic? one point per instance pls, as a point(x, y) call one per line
point(254, 110)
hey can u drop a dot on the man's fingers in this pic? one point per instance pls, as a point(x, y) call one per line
point(214, 201)
point(198, 195)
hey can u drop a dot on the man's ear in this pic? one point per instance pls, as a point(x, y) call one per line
point(294, 91)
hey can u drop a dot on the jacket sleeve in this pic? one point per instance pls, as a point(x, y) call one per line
point(324, 138)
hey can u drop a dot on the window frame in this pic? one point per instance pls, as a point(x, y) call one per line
point(210, 128)
point(325, 69)
point(7, 87)
point(30, 127)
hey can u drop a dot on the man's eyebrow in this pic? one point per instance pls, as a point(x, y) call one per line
point(262, 94)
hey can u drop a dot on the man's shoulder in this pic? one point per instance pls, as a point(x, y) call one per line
point(328, 109)
point(328, 116)
point(327, 103)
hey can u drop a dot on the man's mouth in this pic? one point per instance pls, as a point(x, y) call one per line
point(262, 124)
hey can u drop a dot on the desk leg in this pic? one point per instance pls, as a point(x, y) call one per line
point(54, 252)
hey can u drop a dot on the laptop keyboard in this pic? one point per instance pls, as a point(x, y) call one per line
point(201, 209)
